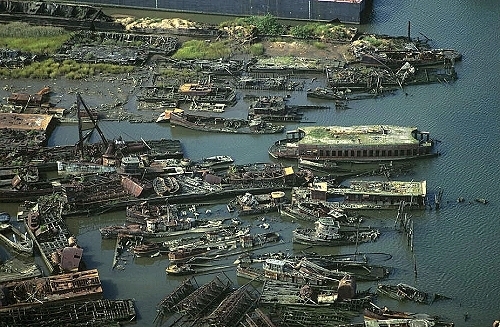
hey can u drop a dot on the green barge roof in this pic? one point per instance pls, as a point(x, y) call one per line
point(358, 135)
point(389, 188)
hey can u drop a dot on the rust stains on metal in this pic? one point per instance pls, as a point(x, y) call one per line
point(25, 121)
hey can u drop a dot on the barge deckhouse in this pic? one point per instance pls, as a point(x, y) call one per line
point(362, 194)
point(368, 143)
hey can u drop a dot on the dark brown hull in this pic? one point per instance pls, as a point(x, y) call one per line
point(221, 125)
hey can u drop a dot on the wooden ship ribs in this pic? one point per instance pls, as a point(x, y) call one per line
point(199, 302)
point(213, 304)
point(257, 318)
point(360, 78)
point(233, 308)
point(262, 172)
point(168, 305)
point(88, 313)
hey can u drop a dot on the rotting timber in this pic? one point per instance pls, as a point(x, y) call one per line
point(215, 303)
point(50, 290)
point(102, 312)
point(200, 308)
point(44, 224)
point(76, 16)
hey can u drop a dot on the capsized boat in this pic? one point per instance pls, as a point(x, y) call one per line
point(81, 168)
point(250, 204)
point(192, 268)
point(165, 185)
point(372, 311)
point(284, 270)
point(359, 271)
point(180, 269)
point(196, 89)
point(326, 93)
point(147, 249)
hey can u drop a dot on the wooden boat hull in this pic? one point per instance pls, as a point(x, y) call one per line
point(308, 236)
point(179, 270)
point(403, 292)
point(53, 289)
point(222, 125)
point(16, 240)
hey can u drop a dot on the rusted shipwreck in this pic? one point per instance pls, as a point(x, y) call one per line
point(44, 225)
point(72, 298)
point(215, 303)
point(207, 123)
point(52, 289)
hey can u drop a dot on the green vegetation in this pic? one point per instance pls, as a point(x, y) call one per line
point(319, 45)
point(181, 74)
point(196, 49)
point(68, 68)
point(46, 40)
point(257, 49)
point(290, 61)
point(35, 39)
point(265, 25)
point(378, 43)
point(318, 133)
point(321, 31)
point(268, 25)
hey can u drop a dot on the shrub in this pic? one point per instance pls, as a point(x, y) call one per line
point(257, 49)
point(265, 25)
point(34, 39)
point(68, 68)
point(319, 45)
point(196, 49)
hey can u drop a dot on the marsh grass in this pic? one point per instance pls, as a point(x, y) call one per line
point(198, 49)
point(34, 39)
point(71, 69)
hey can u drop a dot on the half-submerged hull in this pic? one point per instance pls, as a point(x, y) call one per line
point(16, 240)
point(223, 125)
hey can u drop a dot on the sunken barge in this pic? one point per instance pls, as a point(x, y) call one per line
point(70, 298)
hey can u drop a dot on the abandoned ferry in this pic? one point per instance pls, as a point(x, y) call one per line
point(368, 143)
